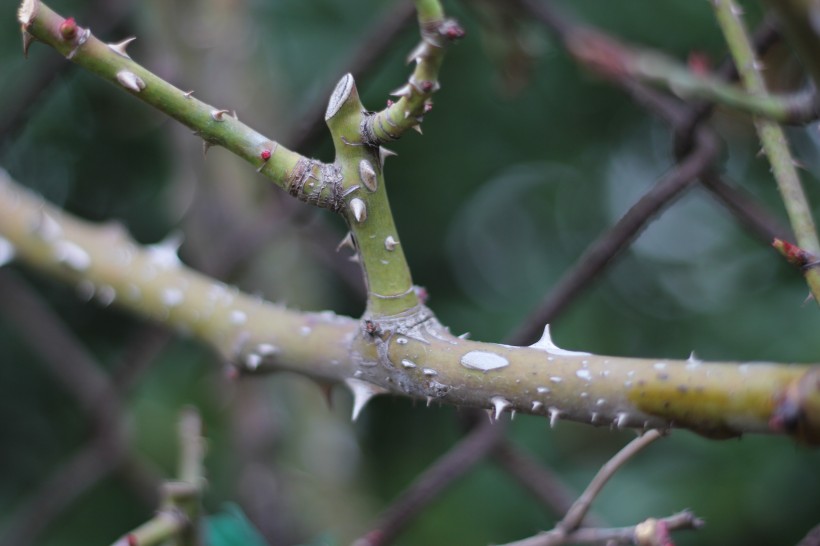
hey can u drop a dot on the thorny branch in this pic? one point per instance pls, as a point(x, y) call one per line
point(579, 535)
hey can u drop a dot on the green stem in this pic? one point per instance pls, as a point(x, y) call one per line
point(771, 136)
point(612, 58)
point(390, 288)
point(414, 98)
point(419, 360)
point(215, 126)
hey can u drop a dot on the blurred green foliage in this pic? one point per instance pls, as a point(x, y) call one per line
point(511, 181)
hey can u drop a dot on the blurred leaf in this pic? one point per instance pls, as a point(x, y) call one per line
point(232, 528)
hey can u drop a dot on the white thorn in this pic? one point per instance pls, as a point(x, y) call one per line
point(205, 147)
point(219, 115)
point(429, 401)
point(7, 251)
point(347, 242)
point(164, 253)
point(359, 209)
point(72, 255)
point(362, 393)
point(403, 91)
point(384, 153)
point(546, 344)
point(417, 128)
point(119, 48)
point(554, 414)
point(390, 243)
point(355, 259)
point(367, 174)
point(131, 81)
point(621, 419)
point(420, 51)
point(536, 405)
point(512, 415)
point(499, 404)
point(465, 335)
point(593, 417)
point(188, 94)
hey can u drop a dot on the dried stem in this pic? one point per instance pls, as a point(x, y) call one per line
point(654, 529)
point(581, 506)
point(568, 529)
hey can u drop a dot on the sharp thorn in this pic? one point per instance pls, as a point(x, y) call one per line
point(384, 153)
point(119, 48)
point(347, 242)
point(499, 405)
point(28, 38)
point(363, 392)
point(359, 210)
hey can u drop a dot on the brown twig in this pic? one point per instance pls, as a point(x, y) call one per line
point(435, 479)
point(616, 239)
point(541, 482)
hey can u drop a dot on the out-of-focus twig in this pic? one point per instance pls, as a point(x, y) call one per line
point(617, 238)
point(435, 479)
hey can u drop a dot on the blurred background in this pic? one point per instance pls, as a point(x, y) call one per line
point(526, 158)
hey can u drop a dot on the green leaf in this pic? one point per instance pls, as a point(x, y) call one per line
point(231, 527)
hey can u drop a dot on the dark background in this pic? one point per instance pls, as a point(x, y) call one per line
point(525, 159)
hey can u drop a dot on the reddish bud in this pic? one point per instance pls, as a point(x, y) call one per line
point(451, 30)
point(265, 155)
point(699, 63)
point(132, 540)
point(390, 103)
point(793, 253)
point(426, 86)
point(428, 106)
point(421, 294)
point(68, 29)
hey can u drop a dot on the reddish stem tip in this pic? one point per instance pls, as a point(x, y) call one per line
point(451, 30)
point(132, 540)
point(793, 253)
point(265, 155)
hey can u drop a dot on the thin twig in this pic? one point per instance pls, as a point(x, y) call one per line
point(581, 506)
point(618, 237)
point(577, 512)
point(540, 481)
point(618, 535)
point(435, 479)
point(377, 40)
